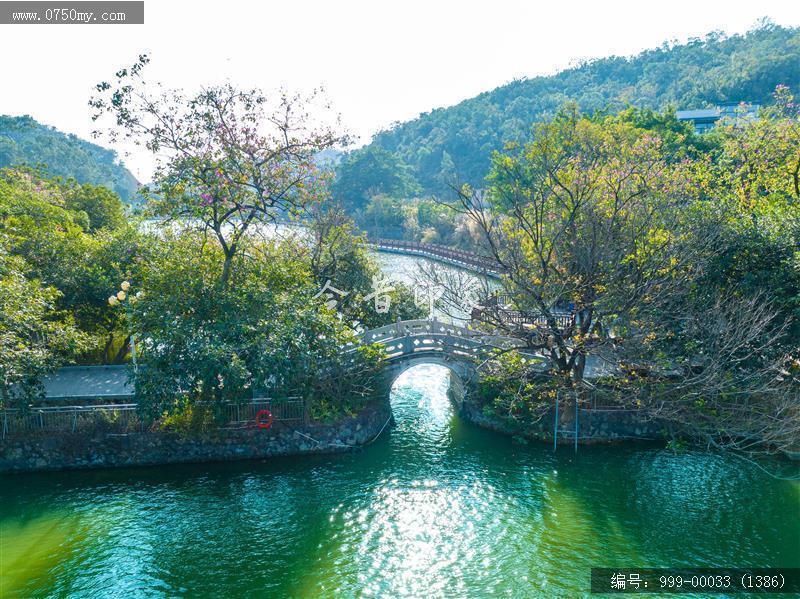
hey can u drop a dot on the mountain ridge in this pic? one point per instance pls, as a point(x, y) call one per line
point(26, 142)
point(714, 69)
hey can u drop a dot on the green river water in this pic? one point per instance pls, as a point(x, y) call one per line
point(434, 508)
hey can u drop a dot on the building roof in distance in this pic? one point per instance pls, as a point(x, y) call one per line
point(697, 114)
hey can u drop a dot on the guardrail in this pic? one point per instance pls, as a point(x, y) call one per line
point(291, 409)
point(498, 307)
point(520, 318)
point(597, 402)
point(119, 418)
point(470, 260)
point(412, 328)
point(114, 417)
point(409, 338)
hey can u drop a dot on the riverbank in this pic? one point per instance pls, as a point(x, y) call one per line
point(67, 450)
point(593, 426)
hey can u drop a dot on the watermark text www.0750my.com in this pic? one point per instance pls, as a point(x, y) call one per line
point(87, 12)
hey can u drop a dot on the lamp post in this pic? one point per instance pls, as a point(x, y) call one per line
point(123, 297)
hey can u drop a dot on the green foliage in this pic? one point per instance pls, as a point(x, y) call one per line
point(35, 336)
point(679, 262)
point(189, 419)
point(24, 142)
point(753, 181)
point(679, 138)
point(73, 238)
point(384, 216)
point(678, 446)
point(339, 258)
point(419, 219)
point(205, 343)
point(588, 207)
point(369, 172)
point(512, 388)
point(456, 142)
point(103, 207)
point(202, 342)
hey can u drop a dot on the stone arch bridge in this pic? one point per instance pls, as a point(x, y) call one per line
point(461, 349)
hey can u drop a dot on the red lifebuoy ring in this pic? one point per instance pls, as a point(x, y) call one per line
point(260, 416)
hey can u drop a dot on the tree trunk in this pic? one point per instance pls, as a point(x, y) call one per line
point(578, 370)
point(566, 408)
point(123, 351)
point(226, 270)
point(107, 348)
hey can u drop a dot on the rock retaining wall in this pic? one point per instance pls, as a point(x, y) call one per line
point(58, 451)
point(594, 426)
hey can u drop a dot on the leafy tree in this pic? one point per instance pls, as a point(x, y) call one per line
point(753, 180)
point(46, 224)
point(678, 138)
point(759, 161)
point(384, 216)
point(511, 388)
point(339, 258)
point(584, 214)
point(264, 334)
point(372, 172)
point(102, 206)
point(676, 274)
point(228, 159)
point(35, 336)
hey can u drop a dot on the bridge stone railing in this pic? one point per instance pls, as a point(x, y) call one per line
point(411, 338)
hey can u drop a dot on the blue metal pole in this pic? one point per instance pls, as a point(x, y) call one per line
point(133, 336)
point(555, 424)
point(576, 424)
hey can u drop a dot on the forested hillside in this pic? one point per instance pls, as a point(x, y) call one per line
point(716, 69)
point(23, 141)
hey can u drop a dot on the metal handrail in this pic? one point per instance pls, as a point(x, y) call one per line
point(126, 417)
point(499, 305)
point(440, 251)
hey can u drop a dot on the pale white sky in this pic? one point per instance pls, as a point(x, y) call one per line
point(380, 61)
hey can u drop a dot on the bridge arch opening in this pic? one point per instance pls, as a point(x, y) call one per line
point(426, 394)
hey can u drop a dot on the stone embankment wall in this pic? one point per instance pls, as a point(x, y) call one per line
point(58, 451)
point(594, 426)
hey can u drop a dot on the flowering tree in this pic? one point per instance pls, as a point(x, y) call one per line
point(582, 219)
point(760, 159)
point(678, 278)
point(228, 158)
